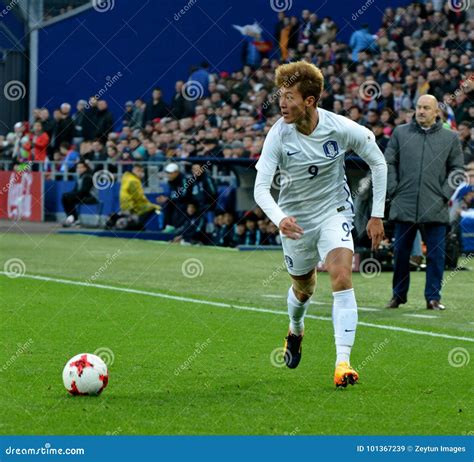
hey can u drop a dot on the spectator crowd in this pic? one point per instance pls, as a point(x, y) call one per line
point(375, 79)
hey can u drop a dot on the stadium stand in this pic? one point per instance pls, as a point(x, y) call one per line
point(374, 79)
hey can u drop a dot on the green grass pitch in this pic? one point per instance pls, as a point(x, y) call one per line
point(181, 367)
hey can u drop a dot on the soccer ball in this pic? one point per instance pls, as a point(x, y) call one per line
point(85, 374)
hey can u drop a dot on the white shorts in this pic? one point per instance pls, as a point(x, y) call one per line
point(304, 254)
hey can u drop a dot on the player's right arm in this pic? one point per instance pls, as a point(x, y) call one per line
point(266, 167)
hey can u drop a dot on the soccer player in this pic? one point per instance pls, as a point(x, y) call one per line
point(315, 211)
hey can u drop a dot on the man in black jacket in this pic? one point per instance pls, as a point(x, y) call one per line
point(78, 122)
point(82, 193)
point(424, 160)
point(89, 122)
point(66, 125)
point(201, 189)
point(156, 108)
point(174, 205)
point(105, 121)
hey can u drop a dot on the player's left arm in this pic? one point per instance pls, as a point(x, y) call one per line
point(362, 141)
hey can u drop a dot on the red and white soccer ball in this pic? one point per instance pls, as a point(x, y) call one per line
point(85, 374)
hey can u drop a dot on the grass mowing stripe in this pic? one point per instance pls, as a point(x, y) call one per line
point(229, 305)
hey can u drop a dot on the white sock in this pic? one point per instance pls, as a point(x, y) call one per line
point(296, 312)
point(344, 318)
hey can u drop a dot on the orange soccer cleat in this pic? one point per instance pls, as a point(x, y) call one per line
point(345, 375)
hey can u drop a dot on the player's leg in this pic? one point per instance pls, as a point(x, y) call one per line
point(335, 244)
point(344, 313)
point(435, 237)
point(70, 202)
point(300, 262)
point(299, 297)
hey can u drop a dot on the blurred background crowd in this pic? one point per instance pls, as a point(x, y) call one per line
point(374, 80)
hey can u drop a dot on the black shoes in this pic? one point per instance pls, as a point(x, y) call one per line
point(434, 305)
point(293, 350)
point(395, 302)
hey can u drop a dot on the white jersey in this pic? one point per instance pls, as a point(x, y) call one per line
point(313, 184)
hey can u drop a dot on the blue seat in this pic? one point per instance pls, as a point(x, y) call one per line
point(91, 207)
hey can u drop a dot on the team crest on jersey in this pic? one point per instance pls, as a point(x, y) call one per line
point(331, 149)
point(289, 261)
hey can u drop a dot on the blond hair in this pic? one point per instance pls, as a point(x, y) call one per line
point(308, 78)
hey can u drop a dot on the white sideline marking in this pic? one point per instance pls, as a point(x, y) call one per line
point(426, 316)
point(315, 302)
point(228, 305)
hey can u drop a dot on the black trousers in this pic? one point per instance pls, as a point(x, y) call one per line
point(71, 200)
